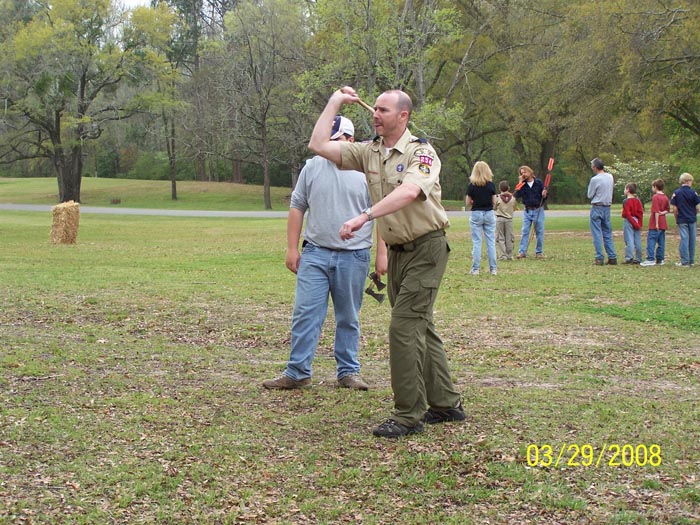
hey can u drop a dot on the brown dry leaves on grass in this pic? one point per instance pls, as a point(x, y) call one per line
point(154, 414)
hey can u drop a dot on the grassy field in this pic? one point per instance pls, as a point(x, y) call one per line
point(131, 366)
point(157, 194)
point(146, 194)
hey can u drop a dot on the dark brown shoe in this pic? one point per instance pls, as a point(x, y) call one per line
point(443, 415)
point(353, 381)
point(392, 429)
point(286, 383)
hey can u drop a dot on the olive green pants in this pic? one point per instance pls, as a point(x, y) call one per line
point(420, 375)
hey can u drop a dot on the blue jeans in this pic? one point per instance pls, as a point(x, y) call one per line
point(483, 222)
point(601, 230)
point(656, 239)
point(633, 242)
point(342, 274)
point(686, 248)
point(531, 218)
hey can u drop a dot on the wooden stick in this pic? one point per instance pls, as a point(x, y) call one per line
point(365, 105)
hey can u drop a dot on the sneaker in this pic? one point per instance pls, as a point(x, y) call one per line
point(660, 262)
point(598, 262)
point(474, 272)
point(647, 263)
point(286, 383)
point(521, 255)
point(612, 261)
point(682, 265)
point(353, 381)
point(441, 415)
point(393, 429)
point(494, 272)
point(630, 261)
point(539, 256)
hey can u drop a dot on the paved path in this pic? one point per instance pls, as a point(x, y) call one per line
point(206, 213)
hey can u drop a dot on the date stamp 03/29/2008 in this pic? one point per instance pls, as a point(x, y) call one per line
point(587, 455)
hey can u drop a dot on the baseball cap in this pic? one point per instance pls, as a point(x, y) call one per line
point(342, 126)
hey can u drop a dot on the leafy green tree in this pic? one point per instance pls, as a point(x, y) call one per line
point(62, 67)
point(662, 65)
point(265, 43)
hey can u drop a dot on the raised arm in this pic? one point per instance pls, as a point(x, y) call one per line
point(320, 142)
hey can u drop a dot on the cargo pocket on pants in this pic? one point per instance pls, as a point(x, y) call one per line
point(425, 297)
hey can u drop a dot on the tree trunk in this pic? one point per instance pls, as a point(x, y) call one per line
point(69, 172)
point(519, 149)
point(546, 152)
point(201, 167)
point(236, 172)
point(295, 176)
point(169, 125)
point(266, 170)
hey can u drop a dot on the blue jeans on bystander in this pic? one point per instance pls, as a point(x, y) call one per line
point(531, 219)
point(340, 274)
point(686, 247)
point(483, 223)
point(601, 230)
point(656, 245)
point(633, 242)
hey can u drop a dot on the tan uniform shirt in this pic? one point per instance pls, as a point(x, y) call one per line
point(505, 209)
point(410, 160)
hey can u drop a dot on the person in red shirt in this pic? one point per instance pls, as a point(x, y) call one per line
point(632, 215)
point(656, 239)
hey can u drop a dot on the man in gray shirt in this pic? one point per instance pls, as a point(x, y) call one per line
point(600, 192)
point(328, 265)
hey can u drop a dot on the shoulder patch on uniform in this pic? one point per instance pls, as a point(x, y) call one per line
point(425, 156)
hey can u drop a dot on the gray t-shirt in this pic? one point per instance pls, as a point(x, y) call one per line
point(332, 197)
point(600, 189)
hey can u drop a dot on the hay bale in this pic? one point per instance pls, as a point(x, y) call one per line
point(66, 219)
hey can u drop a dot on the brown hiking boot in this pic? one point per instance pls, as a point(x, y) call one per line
point(353, 381)
point(286, 383)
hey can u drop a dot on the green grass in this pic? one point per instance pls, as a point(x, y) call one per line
point(146, 194)
point(222, 196)
point(131, 366)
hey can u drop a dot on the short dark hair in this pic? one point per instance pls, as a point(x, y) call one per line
point(503, 185)
point(403, 102)
point(598, 163)
point(658, 184)
point(632, 187)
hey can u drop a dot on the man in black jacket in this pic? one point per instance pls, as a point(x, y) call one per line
point(530, 190)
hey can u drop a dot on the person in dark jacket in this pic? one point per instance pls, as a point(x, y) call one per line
point(531, 192)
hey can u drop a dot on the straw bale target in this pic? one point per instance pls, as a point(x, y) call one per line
point(66, 219)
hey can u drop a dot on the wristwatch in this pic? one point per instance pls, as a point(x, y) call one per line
point(368, 212)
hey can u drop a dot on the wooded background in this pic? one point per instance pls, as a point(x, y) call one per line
point(229, 90)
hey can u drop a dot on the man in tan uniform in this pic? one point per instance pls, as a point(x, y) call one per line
point(403, 176)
